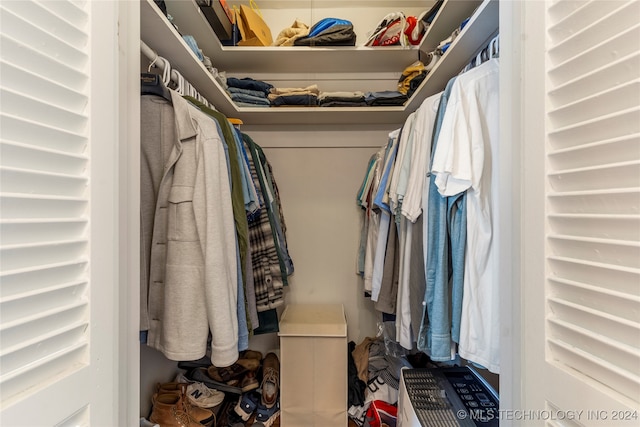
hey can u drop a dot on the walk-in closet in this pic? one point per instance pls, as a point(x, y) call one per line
point(378, 201)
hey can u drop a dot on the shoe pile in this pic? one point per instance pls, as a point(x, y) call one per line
point(264, 402)
point(196, 398)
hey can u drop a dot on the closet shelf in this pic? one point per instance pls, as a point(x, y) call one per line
point(291, 59)
point(160, 35)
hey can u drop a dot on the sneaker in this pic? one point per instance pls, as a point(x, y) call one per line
point(270, 380)
point(204, 397)
point(182, 378)
point(267, 416)
point(247, 404)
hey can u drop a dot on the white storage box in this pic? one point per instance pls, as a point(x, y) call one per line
point(313, 366)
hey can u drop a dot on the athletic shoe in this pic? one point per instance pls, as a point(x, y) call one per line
point(267, 416)
point(204, 397)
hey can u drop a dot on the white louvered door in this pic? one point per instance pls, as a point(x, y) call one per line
point(58, 213)
point(591, 282)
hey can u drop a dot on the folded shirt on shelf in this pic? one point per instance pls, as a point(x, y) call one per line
point(312, 89)
point(303, 100)
point(249, 83)
point(248, 104)
point(342, 99)
point(252, 92)
point(250, 99)
point(385, 98)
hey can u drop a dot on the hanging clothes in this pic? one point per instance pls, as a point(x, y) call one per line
point(444, 245)
point(270, 258)
point(412, 287)
point(471, 165)
point(246, 308)
point(191, 276)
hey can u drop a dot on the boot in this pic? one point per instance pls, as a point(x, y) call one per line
point(200, 415)
point(169, 410)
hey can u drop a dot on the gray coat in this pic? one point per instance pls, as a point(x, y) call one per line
point(191, 278)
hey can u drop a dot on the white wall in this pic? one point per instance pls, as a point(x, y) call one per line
point(318, 171)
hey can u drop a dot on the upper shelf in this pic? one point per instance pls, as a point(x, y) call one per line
point(294, 59)
point(156, 32)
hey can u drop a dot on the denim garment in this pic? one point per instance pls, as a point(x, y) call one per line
point(251, 215)
point(385, 216)
point(444, 243)
point(251, 105)
point(249, 99)
point(249, 83)
point(251, 92)
point(243, 328)
point(380, 200)
point(248, 188)
point(191, 42)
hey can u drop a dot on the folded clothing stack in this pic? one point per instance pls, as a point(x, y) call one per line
point(247, 92)
point(342, 99)
point(307, 96)
point(385, 98)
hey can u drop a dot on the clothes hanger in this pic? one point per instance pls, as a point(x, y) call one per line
point(179, 81)
point(495, 47)
point(151, 84)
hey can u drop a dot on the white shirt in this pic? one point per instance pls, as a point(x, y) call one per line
point(423, 132)
point(421, 155)
point(397, 185)
point(469, 162)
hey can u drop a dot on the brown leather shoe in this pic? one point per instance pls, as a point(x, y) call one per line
point(270, 380)
point(169, 410)
point(202, 416)
point(249, 382)
point(232, 374)
point(251, 354)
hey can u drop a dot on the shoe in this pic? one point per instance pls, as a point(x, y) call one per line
point(267, 416)
point(270, 380)
point(251, 354)
point(199, 414)
point(170, 410)
point(231, 374)
point(246, 405)
point(201, 375)
point(202, 396)
point(249, 382)
point(182, 378)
